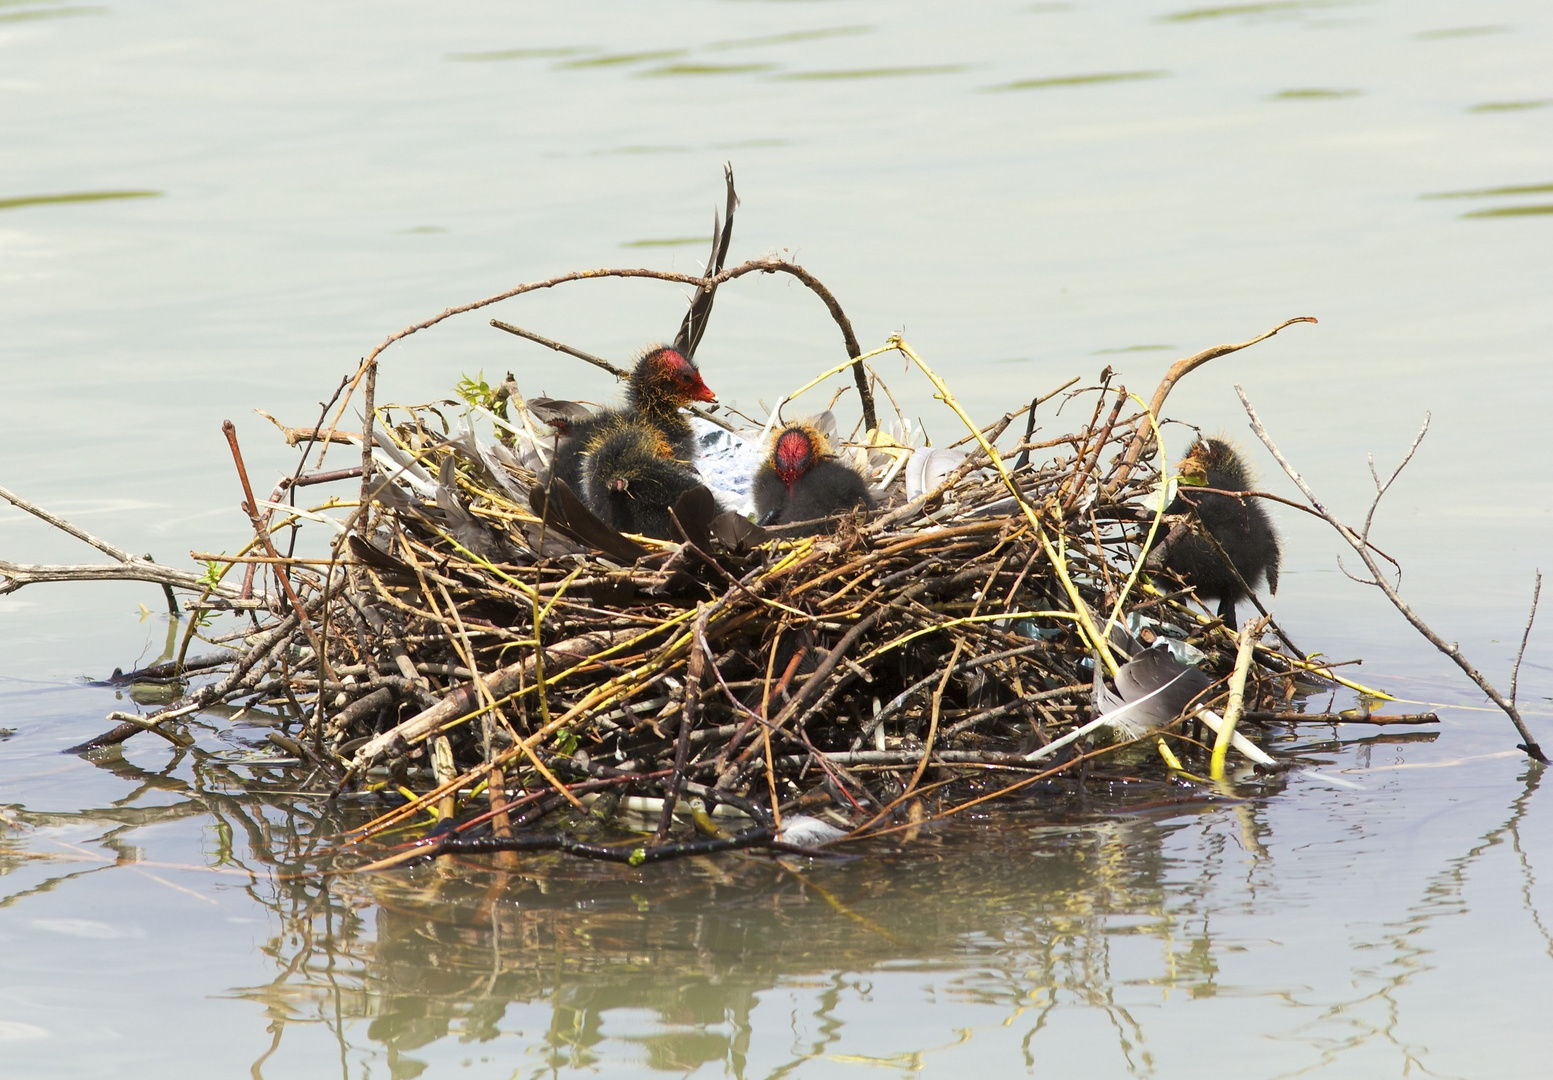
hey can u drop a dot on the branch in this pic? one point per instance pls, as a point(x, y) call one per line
point(1515, 672)
point(1357, 542)
point(1143, 430)
point(16, 575)
point(131, 567)
point(64, 526)
point(769, 265)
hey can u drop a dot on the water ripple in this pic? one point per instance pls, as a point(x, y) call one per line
point(76, 197)
point(1080, 80)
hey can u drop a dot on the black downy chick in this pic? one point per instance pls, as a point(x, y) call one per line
point(630, 477)
point(803, 481)
point(661, 382)
point(1241, 526)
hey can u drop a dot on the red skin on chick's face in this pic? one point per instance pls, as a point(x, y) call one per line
point(680, 375)
point(793, 456)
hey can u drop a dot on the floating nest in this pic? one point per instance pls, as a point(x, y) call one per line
point(467, 642)
point(480, 649)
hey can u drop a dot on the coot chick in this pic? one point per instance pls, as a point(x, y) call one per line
point(661, 382)
point(802, 480)
point(1241, 526)
point(630, 477)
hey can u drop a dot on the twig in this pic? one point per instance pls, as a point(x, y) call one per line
point(687, 721)
point(1373, 719)
point(1515, 672)
point(1249, 635)
point(540, 339)
point(18, 574)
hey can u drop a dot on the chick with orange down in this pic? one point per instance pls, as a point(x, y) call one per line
point(662, 381)
point(631, 478)
point(801, 480)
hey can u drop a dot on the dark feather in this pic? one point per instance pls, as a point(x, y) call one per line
point(1147, 672)
point(694, 324)
point(564, 511)
point(693, 513)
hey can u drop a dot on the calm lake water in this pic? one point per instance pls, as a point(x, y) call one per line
point(206, 209)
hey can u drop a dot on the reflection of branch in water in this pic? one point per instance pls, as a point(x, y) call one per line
point(1441, 896)
point(1530, 778)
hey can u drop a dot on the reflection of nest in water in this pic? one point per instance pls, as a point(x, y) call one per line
point(491, 639)
point(1028, 911)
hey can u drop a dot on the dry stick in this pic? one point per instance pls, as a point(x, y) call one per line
point(131, 568)
point(1515, 672)
point(294, 435)
point(1373, 719)
point(16, 575)
point(147, 723)
point(1179, 370)
point(689, 714)
point(1357, 541)
point(540, 339)
point(251, 508)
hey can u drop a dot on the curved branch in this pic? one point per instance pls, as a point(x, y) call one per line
point(768, 265)
point(1178, 371)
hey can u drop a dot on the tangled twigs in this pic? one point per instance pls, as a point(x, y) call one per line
point(1359, 541)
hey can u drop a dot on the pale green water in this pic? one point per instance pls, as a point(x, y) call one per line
point(208, 209)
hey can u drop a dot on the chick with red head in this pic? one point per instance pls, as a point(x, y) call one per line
point(662, 381)
point(802, 480)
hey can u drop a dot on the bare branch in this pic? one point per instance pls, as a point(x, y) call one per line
point(1515, 673)
point(1381, 489)
point(540, 339)
point(64, 526)
point(1357, 542)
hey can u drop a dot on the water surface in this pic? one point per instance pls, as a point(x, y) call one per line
point(203, 212)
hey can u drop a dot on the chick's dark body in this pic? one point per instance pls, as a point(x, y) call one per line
point(1241, 527)
point(628, 482)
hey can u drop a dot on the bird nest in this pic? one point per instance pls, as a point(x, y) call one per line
point(473, 643)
